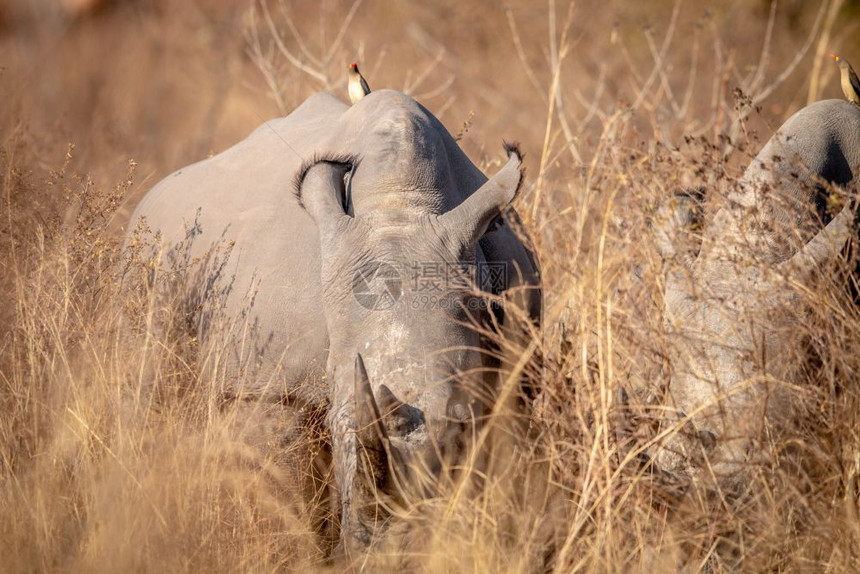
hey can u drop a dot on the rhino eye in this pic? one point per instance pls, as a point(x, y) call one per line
point(346, 200)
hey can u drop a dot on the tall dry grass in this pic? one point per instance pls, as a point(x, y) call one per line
point(116, 458)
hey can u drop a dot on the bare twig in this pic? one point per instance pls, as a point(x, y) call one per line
point(814, 90)
point(264, 62)
point(664, 79)
point(758, 74)
point(592, 108)
point(556, 76)
point(570, 139)
point(295, 32)
point(443, 87)
point(691, 77)
point(762, 94)
point(291, 58)
point(338, 39)
point(530, 73)
point(660, 60)
point(411, 86)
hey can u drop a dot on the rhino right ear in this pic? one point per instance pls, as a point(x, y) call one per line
point(825, 246)
point(470, 219)
point(320, 190)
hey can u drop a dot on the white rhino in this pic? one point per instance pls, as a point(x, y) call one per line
point(350, 230)
point(731, 310)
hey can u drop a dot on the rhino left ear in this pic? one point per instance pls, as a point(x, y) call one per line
point(320, 190)
point(471, 218)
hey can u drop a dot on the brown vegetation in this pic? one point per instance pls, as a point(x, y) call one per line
point(617, 105)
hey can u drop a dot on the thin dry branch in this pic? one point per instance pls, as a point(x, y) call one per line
point(529, 70)
point(758, 94)
point(299, 40)
point(570, 139)
point(659, 62)
point(814, 90)
point(317, 75)
point(338, 39)
point(411, 85)
point(766, 91)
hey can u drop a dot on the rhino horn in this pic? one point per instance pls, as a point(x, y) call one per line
point(374, 444)
point(388, 403)
point(470, 219)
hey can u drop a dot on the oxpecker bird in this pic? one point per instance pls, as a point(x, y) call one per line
point(850, 83)
point(358, 87)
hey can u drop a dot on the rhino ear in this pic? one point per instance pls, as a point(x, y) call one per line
point(825, 246)
point(320, 191)
point(470, 219)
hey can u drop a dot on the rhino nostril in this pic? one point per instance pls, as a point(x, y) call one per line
point(706, 438)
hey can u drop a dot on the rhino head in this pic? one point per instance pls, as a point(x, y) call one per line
point(731, 308)
point(405, 371)
point(730, 322)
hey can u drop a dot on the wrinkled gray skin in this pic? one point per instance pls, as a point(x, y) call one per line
point(412, 197)
point(731, 311)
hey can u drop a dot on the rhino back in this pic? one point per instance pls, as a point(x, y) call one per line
point(820, 141)
point(244, 197)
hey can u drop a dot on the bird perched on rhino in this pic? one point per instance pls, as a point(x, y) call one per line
point(850, 83)
point(358, 87)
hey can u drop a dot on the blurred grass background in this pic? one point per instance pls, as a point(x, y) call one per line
point(167, 83)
